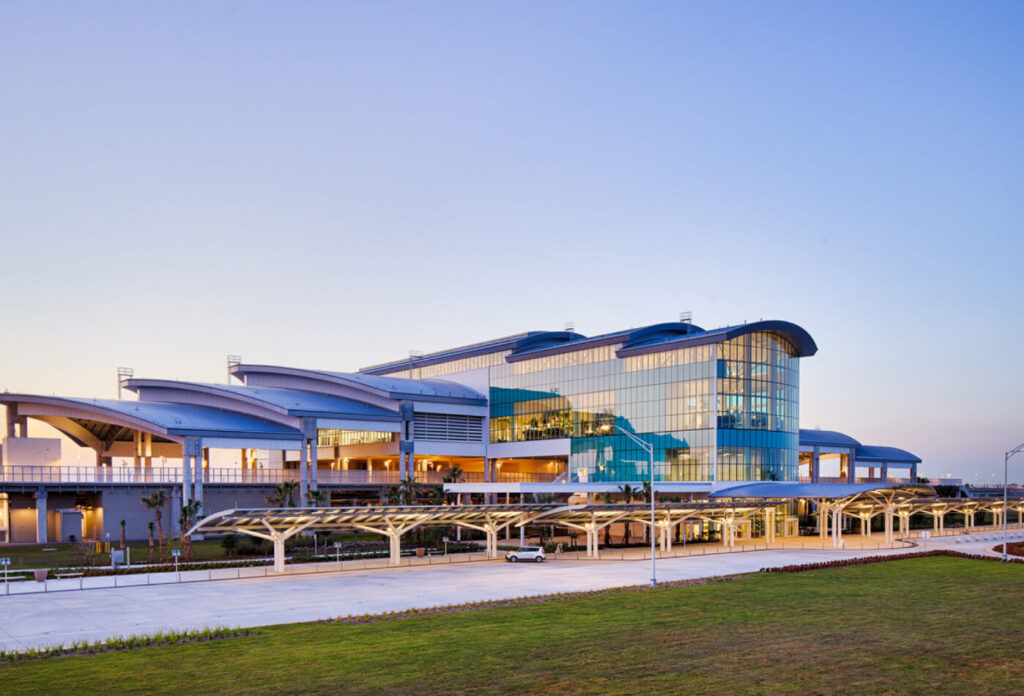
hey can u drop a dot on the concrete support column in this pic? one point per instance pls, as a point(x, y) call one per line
point(22, 426)
point(41, 537)
point(186, 473)
point(851, 465)
point(147, 452)
point(913, 473)
point(303, 462)
point(175, 506)
point(837, 527)
point(137, 454)
point(12, 420)
point(822, 522)
point(816, 465)
point(314, 459)
point(885, 472)
point(199, 475)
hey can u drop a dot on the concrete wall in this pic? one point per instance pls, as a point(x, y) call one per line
point(23, 518)
point(215, 501)
point(126, 505)
point(32, 451)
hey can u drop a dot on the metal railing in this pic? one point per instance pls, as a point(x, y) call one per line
point(126, 475)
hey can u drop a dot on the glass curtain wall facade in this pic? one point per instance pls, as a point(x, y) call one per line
point(724, 411)
point(758, 409)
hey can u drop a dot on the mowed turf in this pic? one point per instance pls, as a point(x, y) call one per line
point(920, 626)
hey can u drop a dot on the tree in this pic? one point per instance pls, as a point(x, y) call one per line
point(628, 493)
point(453, 475)
point(187, 518)
point(647, 498)
point(317, 496)
point(155, 502)
point(404, 493)
point(149, 557)
point(124, 541)
point(284, 494)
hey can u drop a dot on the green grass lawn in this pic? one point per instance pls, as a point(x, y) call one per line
point(921, 626)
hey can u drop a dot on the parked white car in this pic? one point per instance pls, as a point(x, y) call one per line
point(527, 553)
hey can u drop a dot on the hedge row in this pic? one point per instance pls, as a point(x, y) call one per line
point(864, 560)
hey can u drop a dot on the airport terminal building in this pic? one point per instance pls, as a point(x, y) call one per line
point(552, 412)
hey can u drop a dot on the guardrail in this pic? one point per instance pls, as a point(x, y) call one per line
point(124, 475)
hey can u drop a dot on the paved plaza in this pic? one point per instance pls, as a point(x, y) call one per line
point(53, 618)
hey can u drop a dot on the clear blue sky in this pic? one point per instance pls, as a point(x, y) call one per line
point(332, 184)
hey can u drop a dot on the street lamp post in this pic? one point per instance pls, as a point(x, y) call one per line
point(1006, 465)
point(649, 448)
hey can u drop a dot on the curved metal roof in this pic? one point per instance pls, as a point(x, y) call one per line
point(873, 453)
point(170, 419)
point(394, 387)
point(803, 345)
point(826, 438)
point(295, 402)
point(660, 333)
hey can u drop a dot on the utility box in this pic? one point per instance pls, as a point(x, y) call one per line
point(71, 526)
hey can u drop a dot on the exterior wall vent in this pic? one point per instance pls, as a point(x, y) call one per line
point(447, 427)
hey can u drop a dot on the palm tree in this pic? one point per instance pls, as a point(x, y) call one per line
point(453, 475)
point(284, 493)
point(628, 493)
point(402, 494)
point(187, 518)
point(647, 498)
point(149, 558)
point(155, 502)
point(317, 496)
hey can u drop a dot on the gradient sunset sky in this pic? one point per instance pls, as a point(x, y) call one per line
point(332, 184)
